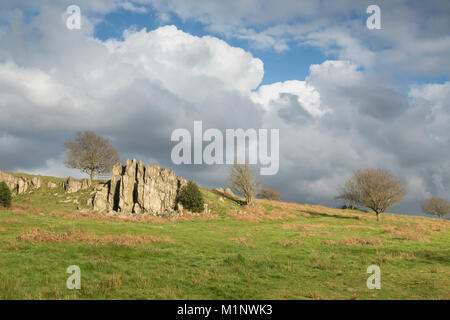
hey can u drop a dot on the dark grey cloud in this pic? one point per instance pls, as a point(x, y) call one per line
point(294, 112)
point(413, 41)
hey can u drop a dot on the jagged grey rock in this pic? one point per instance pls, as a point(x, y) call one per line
point(19, 184)
point(74, 185)
point(100, 201)
point(140, 189)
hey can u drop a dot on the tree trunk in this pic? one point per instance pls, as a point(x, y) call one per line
point(92, 175)
point(378, 216)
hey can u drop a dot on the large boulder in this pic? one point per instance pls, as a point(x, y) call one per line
point(140, 189)
point(18, 184)
point(74, 185)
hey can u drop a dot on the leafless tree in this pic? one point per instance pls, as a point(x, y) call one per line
point(90, 153)
point(349, 195)
point(436, 206)
point(242, 181)
point(270, 194)
point(376, 189)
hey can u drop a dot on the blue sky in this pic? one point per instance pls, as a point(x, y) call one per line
point(278, 66)
point(289, 64)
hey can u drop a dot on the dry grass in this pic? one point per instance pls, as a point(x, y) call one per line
point(314, 295)
point(315, 234)
point(37, 235)
point(243, 241)
point(387, 256)
point(111, 282)
point(21, 209)
point(2, 229)
point(359, 227)
point(258, 213)
point(413, 232)
point(11, 220)
point(127, 218)
point(302, 226)
point(354, 242)
point(290, 243)
point(310, 210)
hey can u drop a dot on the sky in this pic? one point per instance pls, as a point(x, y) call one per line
point(342, 96)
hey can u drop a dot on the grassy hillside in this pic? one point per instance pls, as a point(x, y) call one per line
point(275, 250)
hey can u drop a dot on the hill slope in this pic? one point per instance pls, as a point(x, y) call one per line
point(274, 250)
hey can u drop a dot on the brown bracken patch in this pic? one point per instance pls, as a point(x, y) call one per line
point(37, 235)
point(411, 232)
point(22, 209)
point(357, 227)
point(314, 234)
point(140, 218)
point(11, 220)
point(302, 226)
point(354, 242)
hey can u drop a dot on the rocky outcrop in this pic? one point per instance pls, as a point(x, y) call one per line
point(51, 185)
point(20, 185)
point(227, 192)
point(74, 185)
point(140, 189)
point(230, 193)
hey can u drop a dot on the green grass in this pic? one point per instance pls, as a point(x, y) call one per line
point(273, 251)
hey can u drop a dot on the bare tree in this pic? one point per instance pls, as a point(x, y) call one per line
point(90, 153)
point(242, 180)
point(436, 206)
point(376, 189)
point(270, 194)
point(349, 195)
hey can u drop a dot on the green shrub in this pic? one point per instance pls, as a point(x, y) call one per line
point(5, 195)
point(191, 197)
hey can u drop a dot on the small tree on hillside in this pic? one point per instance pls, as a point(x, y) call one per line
point(270, 194)
point(191, 197)
point(5, 195)
point(376, 189)
point(91, 154)
point(349, 195)
point(436, 206)
point(242, 181)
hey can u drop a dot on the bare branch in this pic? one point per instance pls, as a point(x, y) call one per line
point(436, 206)
point(242, 180)
point(91, 154)
point(376, 189)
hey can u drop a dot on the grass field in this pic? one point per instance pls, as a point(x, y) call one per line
point(274, 250)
